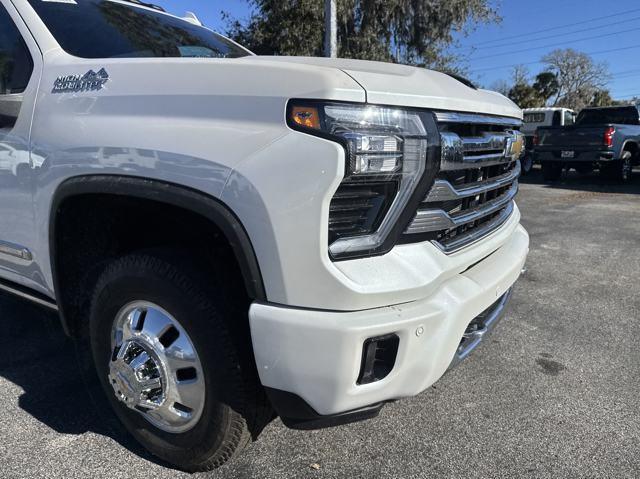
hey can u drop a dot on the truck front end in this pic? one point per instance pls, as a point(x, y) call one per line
point(336, 233)
point(415, 255)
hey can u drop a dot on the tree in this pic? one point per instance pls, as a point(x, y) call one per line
point(522, 93)
point(415, 32)
point(525, 96)
point(578, 76)
point(603, 98)
point(501, 86)
point(546, 85)
point(520, 75)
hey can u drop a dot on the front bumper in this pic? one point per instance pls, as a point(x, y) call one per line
point(316, 355)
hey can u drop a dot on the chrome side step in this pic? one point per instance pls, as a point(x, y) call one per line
point(25, 293)
point(480, 328)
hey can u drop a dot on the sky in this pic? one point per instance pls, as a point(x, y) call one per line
point(591, 26)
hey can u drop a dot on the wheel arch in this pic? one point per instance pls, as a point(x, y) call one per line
point(632, 147)
point(205, 206)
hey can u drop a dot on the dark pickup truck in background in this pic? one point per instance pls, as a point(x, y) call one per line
point(604, 138)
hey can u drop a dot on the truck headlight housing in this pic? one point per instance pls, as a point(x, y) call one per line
point(386, 151)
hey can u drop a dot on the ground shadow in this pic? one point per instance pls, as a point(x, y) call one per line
point(591, 182)
point(36, 355)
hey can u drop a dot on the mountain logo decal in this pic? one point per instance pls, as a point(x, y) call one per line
point(90, 81)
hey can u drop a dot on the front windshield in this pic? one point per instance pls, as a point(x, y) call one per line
point(110, 29)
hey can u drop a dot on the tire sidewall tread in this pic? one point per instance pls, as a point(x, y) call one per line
point(224, 428)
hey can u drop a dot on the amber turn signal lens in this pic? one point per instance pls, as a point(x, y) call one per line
point(306, 116)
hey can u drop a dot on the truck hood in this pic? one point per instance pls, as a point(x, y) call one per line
point(401, 85)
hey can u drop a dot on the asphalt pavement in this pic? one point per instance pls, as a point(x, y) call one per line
point(554, 392)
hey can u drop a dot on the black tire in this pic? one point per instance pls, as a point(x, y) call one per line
point(621, 170)
point(551, 171)
point(527, 164)
point(235, 406)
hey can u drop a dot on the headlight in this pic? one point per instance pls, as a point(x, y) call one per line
point(386, 157)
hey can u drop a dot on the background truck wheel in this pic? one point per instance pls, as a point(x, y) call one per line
point(551, 171)
point(168, 361)
point(621, 170)
point(527, 164)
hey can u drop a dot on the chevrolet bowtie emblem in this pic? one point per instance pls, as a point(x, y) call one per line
point(90, 81)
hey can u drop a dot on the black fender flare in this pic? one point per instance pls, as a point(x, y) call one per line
point(162, 192)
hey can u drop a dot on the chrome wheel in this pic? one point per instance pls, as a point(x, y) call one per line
point(155, 369)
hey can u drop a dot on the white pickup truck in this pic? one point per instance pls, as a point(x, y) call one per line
point(234, 237)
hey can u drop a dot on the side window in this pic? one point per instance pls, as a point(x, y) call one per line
point(16, 66)
point(15, 61)
point(557, 118)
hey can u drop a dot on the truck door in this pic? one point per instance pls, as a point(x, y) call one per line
point(20, 65)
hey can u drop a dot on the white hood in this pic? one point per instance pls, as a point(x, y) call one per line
point(401, 85)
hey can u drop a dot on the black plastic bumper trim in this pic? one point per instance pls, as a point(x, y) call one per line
point(296, 413)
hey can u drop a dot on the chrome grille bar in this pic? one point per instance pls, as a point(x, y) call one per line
point(476, 234)
point(488, 142)
point(428, 220)
point(442, 190)
point(461, 153)
point(470, 118)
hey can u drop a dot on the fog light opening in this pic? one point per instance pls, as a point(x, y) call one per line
point(378, 358)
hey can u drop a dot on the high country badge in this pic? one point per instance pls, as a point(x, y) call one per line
point(90, 81)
